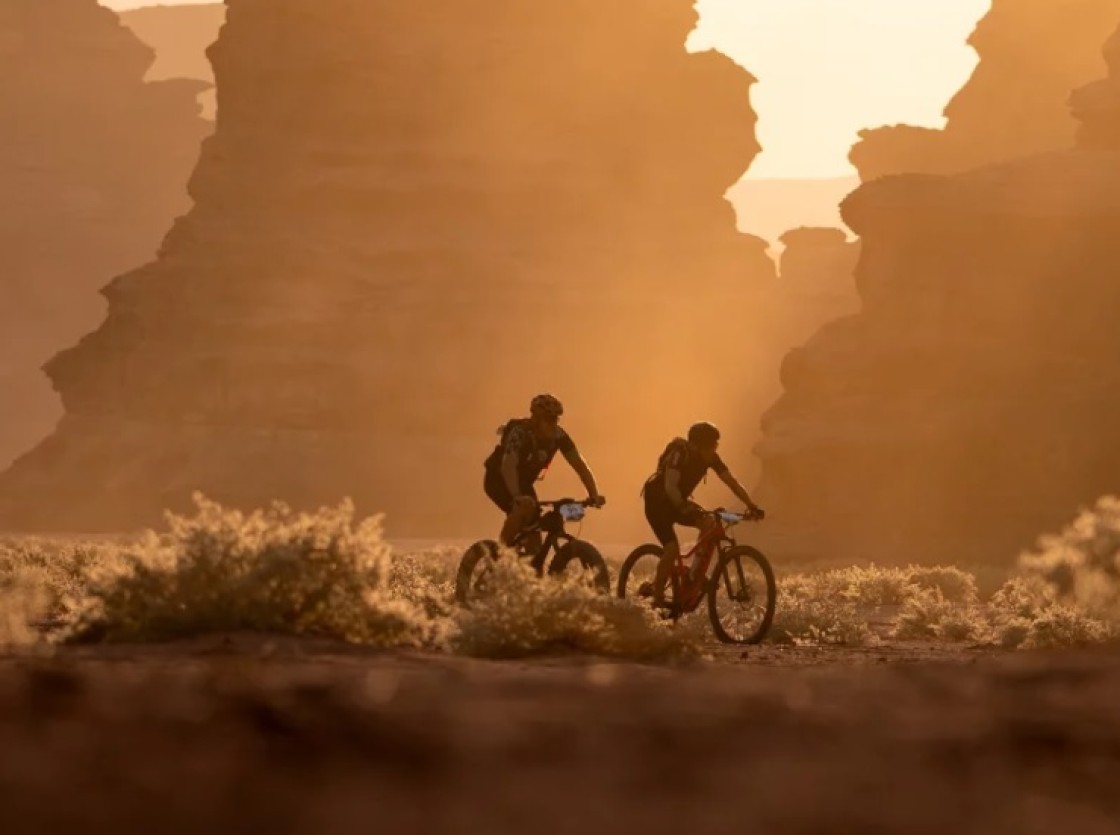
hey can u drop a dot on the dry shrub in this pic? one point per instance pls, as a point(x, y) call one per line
point(816, 609)
point(268, 571)
point(1068, 591)
point(523, 615)
point(324, 574)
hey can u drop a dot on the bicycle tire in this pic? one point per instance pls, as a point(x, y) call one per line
point(486, 548)
point(588, 556)
point(672, 610)
point(727, 557)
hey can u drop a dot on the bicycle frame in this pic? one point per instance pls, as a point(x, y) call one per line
point(552, 525)
point(690, 589)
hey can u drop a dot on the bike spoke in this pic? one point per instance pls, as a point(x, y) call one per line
point(741, 593)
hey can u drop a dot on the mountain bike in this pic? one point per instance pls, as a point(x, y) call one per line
point(741, 591)
point(478, 561)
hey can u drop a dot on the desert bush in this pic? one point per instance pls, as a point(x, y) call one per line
point(326, 574)
point(1082, 563)
point(270, 570)
point(820, 609)
point(522, 614)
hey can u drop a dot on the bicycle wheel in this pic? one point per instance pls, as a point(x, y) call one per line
point(587, 556)
point(741, 596)
point(476, 564)
point(635, 578)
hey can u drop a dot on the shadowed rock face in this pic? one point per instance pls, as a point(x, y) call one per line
point(180, 36)
point(1032, 53)
point(816, 271)
point(974, 401)
point(408, 221)
point(93, 168)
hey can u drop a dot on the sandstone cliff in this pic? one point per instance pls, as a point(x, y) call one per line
point(973, 402)
point(1032, 53)
point(408, 221)
point(93, 169)
point(180, 36)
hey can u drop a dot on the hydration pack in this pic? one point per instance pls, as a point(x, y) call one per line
point(494, 460)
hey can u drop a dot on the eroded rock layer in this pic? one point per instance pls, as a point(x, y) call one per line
point(1032, 53)
point(974, 401)
point(93, 169)
point(180, 36)
point(411, 218)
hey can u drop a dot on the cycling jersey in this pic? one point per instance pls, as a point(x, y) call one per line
point(679, 456)
point(533, 454)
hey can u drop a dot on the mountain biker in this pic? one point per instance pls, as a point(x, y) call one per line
point(526, 450)
point(667, 492)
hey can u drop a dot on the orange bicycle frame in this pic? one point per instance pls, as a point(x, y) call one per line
point(692, 586)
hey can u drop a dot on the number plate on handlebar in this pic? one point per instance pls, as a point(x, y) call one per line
point(572, 512)
point(730, 518)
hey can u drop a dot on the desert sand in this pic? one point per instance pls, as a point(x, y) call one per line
point(242, 734)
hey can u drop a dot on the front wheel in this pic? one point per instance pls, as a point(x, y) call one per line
point(586, 556)
point(474, 569)
point(742, 596)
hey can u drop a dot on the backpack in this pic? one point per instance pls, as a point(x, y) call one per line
point(494, 460)
point(676, 443)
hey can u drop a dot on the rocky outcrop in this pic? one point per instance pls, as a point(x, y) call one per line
point(180, 36)
point(816, 271)
point(815, 285)
point(973, 402)
point(93, 169)
point(1032, 53)
point(408, 221)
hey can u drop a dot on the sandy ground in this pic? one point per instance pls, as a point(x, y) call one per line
point(252, 735)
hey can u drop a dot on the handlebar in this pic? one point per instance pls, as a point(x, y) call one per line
point(571, 510)
point(557, 503)
point(731, 518)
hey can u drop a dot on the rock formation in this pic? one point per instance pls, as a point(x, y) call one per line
point(410, 219)
point(816, 270)
point(93, 169)
point(1032, 53)
point(973, 402)
point(180, 36)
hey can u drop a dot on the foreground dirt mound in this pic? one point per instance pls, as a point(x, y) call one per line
point(181, 742)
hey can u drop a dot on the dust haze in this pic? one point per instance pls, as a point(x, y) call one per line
point(275, 272)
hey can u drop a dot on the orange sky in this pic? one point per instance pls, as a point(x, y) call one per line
point(828, 68)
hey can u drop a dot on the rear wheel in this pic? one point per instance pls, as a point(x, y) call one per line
point(474, 568)
point(742, 596)
point(585, 556)
point(637, 575)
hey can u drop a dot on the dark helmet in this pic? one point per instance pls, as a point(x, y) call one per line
point(547, 406)
point(703, 433)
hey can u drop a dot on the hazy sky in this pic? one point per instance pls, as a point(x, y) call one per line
point(828, 68)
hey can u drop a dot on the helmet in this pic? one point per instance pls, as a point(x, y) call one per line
point(703, 433)
point(546, 405)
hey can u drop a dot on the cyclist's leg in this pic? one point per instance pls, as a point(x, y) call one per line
point(690, 516)
point(661, 516)
point(529, 511)
point(496, 490)
point(520, 513)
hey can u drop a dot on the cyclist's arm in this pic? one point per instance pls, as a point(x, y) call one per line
point(673, 487)
point(510, 474)
point(511, 462)
point(728, 478)
point(577, 462)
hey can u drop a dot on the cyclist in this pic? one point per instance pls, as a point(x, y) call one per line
point(668, 492)
point(525, 451)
